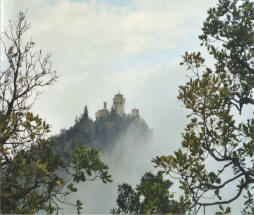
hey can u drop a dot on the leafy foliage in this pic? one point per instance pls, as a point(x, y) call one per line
point(28, 180)
point(127, 201)
point(86, 163)
point(214, 95)
point(29, 167)
point(151, 196)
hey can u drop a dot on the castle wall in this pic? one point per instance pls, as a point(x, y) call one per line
point(118, 106)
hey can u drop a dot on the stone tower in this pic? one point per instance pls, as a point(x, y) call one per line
point(118, 104)
point(103, 112)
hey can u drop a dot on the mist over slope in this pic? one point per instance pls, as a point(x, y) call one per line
point(128, 160)
point(123, 140)
point(104, 133)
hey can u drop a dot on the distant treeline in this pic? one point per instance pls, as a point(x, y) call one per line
point(102, 133)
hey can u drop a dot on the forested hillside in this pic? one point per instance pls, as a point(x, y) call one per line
point(103, 133)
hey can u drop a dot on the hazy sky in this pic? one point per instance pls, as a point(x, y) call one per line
point(101, 46)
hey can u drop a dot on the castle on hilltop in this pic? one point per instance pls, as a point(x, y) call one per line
point(118, 106)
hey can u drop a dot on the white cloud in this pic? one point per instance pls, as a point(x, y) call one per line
point(89, 36)
point(90, 41)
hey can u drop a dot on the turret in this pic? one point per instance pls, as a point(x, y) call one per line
point(118, 104)
point(103, 112)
